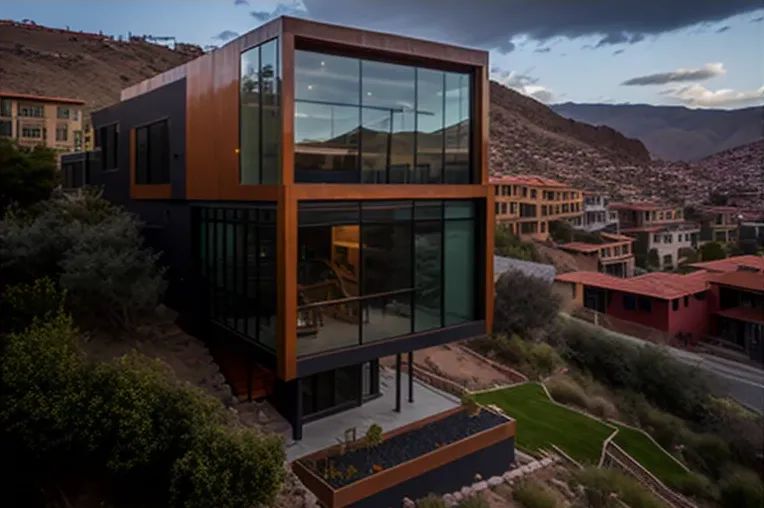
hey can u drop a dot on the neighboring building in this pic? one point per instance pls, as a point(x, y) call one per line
point(721, 224)
point(36, 120)
point(733, 264)
point(615, 256)
point(597, 215)
point(305, 237)
point(673, 304)
point(657, 227)
point(751, 236)
point(527, 204)
point(540, 271)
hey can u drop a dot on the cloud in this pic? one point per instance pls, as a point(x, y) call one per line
point(696, 95)
point(723, 29)
point(241, 2)
point(492, 24)
point(757, 20)
point(226, 35)
point(707, 71)
point(293, 9)
point(542, 50)
point(618, 52)
point(523, 83)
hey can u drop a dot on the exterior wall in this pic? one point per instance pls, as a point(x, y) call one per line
point(635, 216)
point(688, 241)
point(658, 318)
point(596, 215)
point(49, 123)
point(510, 196)
point(693, 318)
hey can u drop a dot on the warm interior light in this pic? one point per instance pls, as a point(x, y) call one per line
point(310, 87)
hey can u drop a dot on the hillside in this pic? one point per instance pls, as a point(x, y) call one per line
point(526, 136)
point(674, 133)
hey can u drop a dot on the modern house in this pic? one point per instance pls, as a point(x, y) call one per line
point(322, 200)
point(657, 227)
point(721, 224)
point(527, 204)
point(613, 256)
point(597, 215)
point(32, 120)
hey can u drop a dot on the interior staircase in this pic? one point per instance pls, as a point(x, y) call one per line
point(248, 379)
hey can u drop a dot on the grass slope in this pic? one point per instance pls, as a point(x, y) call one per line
point(651, 456)
point(541, 422)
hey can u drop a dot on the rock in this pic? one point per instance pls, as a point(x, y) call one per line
point(480, 486)
point(466, 491)
point(458, 496)
point(495, 481)
point(449, 499)
point(262, 417)
point(408, 503)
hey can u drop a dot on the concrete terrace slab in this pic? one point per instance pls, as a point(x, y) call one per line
point(325, 432)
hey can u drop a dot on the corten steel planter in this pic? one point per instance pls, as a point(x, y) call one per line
point(447, 466)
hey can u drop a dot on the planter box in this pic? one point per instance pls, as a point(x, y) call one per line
point(437, 455)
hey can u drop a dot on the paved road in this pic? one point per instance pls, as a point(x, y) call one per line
point(741, 382)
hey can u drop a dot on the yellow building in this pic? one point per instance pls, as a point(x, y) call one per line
point(527, 204)
point(33, 120)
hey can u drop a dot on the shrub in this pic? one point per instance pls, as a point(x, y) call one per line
point(431, 501)
point(697, 486)
point(604, 487)
point(510, 245)
point(532, 495)
point(477, 501)
point(711, 251)
point(524, 304)
point(530, 358)
point(22, 303)
point(27, 175)
point(228, 468)
point(566, 391)
point(741, 488)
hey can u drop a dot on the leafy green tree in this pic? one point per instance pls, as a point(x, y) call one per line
point(711, 251)
point(524, 304)
point(27, 175)
point(653, 261)
point(510, 245)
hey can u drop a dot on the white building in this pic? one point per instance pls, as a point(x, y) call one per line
point(596, 215)
point(668, 241)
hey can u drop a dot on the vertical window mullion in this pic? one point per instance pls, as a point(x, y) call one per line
point(260, 108)
point(258, 275)
point(443, 135)
point(361, 272)
point(215, 289)
point(360, 122)
point(236, 261)
point(412, 260)
point(245, 276)
point(442, 263)
point(416, 128)
point(226, 289)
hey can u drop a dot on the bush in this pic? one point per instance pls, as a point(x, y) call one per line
point(431, 501)
point(524, 304)
point(566, 391)
point(533, 495)
point(21, 304)
point(698, 487)
point(603, 488)
point(510, 245)
point(93, 249)
point(228, 468)
point(477, 501)
point(711, 251)
point(741, 488)
point(534, 359)
point(27, 175)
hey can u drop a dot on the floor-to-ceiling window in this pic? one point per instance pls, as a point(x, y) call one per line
point(236, 256)
point(260, 115)
point(377, 122)
point(375, 270)
point(338, 389)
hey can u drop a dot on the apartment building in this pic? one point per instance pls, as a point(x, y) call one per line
point(340, 211)
point(37, 120)
point(657, 227)
point(613, 256)
point(720, 224)
point(597, 216)
point(527, 204)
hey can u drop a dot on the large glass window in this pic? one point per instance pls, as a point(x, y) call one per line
point(374, 122)
point(260, 115)
point(375, 270)
point(237, 265)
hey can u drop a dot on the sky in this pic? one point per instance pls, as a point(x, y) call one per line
point(695, 53)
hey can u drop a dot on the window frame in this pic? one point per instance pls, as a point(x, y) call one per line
point(109, 152)
point(162, 174)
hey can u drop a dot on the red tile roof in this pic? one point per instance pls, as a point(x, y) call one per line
point(665, 286)
point(41, 98)
point(731, 264)
point(539, 181)
point(643, 207)
point(742, 314)
point(580, 246)
point(752, 281)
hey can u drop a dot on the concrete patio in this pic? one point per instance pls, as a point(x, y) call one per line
point(325, 432)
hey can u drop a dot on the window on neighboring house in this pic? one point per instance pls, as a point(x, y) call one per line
point(686, 301)
point(525, 192)
point(30, 111)
point(543, 227)
point(62, 133)
point(496, 206)
point(107, 139)
point(629, 302)
point(533, 193)
point(152, 154)
point(31, 132)
point(645, 304)
point(675, 304)
point(6, 128)
point(6, 108)
point(62, 113)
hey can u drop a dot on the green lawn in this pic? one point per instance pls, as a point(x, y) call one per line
point(650, 455)
point(540, 422)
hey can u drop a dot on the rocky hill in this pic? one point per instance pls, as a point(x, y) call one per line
point(674, 133)
point(526, 136)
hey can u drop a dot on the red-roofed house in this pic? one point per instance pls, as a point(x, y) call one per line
point(614, 257)
point(720, 224)
point(752, 263)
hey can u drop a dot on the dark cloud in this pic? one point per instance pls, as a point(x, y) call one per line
point(261, 16)
point(226, 35)
point(757, 20)
point(618, 52)
point(241, 2)
point(280, 10)
point(723, 29)
point(493, 24)
point(707, 71)
point(542, 50)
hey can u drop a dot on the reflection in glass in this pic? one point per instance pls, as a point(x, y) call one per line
point(457, 113)
point(326, 140)
point(428, 256)
point(388, 97)
point(271, 112)
point(459, 266)
point(430, 123)
point(249, 130)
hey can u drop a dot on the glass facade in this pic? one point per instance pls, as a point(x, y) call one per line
point(374, 270)
point(260, 115)
point(236, 256)
point(363, 121)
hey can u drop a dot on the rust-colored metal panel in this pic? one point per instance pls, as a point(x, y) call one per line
point(381, 191)
point(160, 191)
point(286, 250)
point(482, 101)
point(490, 229)
point(392, 45)
point(167, 77)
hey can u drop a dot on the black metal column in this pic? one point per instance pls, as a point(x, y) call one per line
point(411, 376)
point(297, 420)
point(398, 383)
